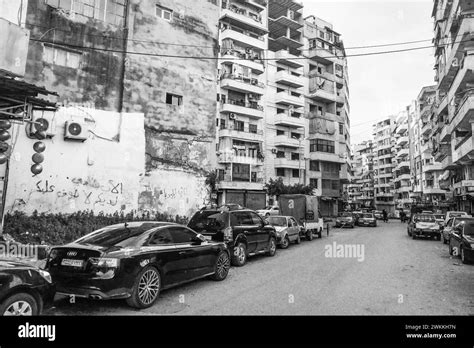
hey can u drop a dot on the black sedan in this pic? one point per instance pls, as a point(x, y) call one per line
point(135, 261)
point(462, 241)
point(24, 289)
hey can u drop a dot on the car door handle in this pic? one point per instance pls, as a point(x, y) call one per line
point(184, 252)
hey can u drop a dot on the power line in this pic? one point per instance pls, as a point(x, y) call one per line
point(236, 59)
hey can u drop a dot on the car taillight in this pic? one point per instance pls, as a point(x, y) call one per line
point(228, 234)
point(104, 262)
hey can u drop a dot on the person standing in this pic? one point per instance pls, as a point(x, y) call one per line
point(384, 214)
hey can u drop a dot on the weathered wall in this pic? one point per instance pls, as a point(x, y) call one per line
point(99, 174)
point(12, 10)
point(97, 82)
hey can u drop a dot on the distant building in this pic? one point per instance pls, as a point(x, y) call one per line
point(361, 187)
point(401, 170)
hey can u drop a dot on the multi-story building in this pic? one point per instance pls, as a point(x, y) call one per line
point(452, 135)
point(361, 188)
point(286, 124)
point(328, 110)
point(384, 164)
point(427, 170)
point(402, 177)
point(416, 141)
point(243, 33)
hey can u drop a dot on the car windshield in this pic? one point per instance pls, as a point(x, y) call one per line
point(469, 228)
point(368, 216)
point(345, 214)
point(377, 212)
point(211, 221)
point(455, 214)
point(115, 236)
point(277, 221)
point(424, 218)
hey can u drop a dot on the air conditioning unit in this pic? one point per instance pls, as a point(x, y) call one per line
point(76, 130)
point(274, 151)
point(232, 116)
point(42, 121)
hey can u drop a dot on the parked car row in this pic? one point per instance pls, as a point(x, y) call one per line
point(135, 261)
point(455, 229)
point(357, 218)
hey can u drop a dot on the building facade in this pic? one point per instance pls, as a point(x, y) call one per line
point(452, 134)
point(361, 187)
point(384, 164)
point(401, 169)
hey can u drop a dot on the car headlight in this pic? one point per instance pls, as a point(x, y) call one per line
point(46, 275)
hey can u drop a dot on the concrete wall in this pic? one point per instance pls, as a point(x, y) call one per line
point(99, 174)
point(12, 11)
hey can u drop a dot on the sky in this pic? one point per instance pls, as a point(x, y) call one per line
point(381, 85)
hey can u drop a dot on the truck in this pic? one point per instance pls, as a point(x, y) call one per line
point(305, 209)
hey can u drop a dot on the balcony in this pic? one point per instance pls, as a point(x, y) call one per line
point(286, 141)
point(426, 129)
point(403, 189)
point(255, 64)
point(430, 190)
point(250, 109)
point(284, 119)
point(244, 40)
point(432, 167)
point(404, 177)
point(402, 164)
point(326, 157)
point(402, 128)
point(285, 98)
point(287, 163)
point(242, 18)
point(286, 78)
point(230, 157)
point(241, 134)
point(402, 140)
point(426, 147)
point(464, 151)
point(322, 95)
point(440, 151)
point(384, 194)
point(288, 59)
point(330, 193)
point(447, 163)
point(242, 84)
point(465, 112)
point(321, 55)
point(402, 153)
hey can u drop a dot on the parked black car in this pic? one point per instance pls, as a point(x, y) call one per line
point(462, 239)
point(452, 222)
point(345, 219)
point(24, 289)
point(135, 261)
point(244, 232)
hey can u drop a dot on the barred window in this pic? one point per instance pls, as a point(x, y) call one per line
point(322, 145)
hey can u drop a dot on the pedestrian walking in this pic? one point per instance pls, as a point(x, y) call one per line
point(403, 216)
point(384, 214)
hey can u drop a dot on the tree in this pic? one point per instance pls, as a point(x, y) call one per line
point(211, 180)
point(277, 188)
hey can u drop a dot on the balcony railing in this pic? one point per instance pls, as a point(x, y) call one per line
point(244, 79)
point(227, 5)
point(250, 105)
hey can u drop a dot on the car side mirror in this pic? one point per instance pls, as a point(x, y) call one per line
point(265, 223)
point(198, 239)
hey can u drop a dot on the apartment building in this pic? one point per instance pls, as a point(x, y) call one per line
point(361, 187)
point(384, 164)
point(286, 124)
point(452, 134)
point(327, 106)
point(427, 170)
point(243, 41)
point(401, 170)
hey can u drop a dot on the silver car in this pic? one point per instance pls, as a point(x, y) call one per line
point(287, 230)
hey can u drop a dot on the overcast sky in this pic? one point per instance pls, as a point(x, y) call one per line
point(381, 85)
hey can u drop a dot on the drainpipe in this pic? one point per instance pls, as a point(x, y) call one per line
point(124, 65)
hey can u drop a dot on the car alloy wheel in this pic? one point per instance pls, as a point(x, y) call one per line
point(149, 287)
point(20, 304)
point(19, 308)
point(272, 247)
point(285, 243)
point(240, 255)
point(222, 266)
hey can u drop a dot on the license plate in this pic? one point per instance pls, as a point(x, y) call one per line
point(208, 237)
point(72, 263)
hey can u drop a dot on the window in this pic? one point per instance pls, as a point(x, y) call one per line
point(280, 154)
point(295, 156)
point(240, 172)
point(253, 128)
point(61, 57)
point(257, 221)
point(321, 34)
point(314, 166)
point(280, 171)
point(174, 99)
point(313, 183)
point(341, 128)
point(321, 145)
point(161, 237)
point(110, 11)
point(280, 132)
point(296, 173)
point(241, 218)
point(164, 13)
point(222, 123)
point(239, 126)
point(182, 235)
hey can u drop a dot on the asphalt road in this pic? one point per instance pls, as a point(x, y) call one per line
point(397, 275)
